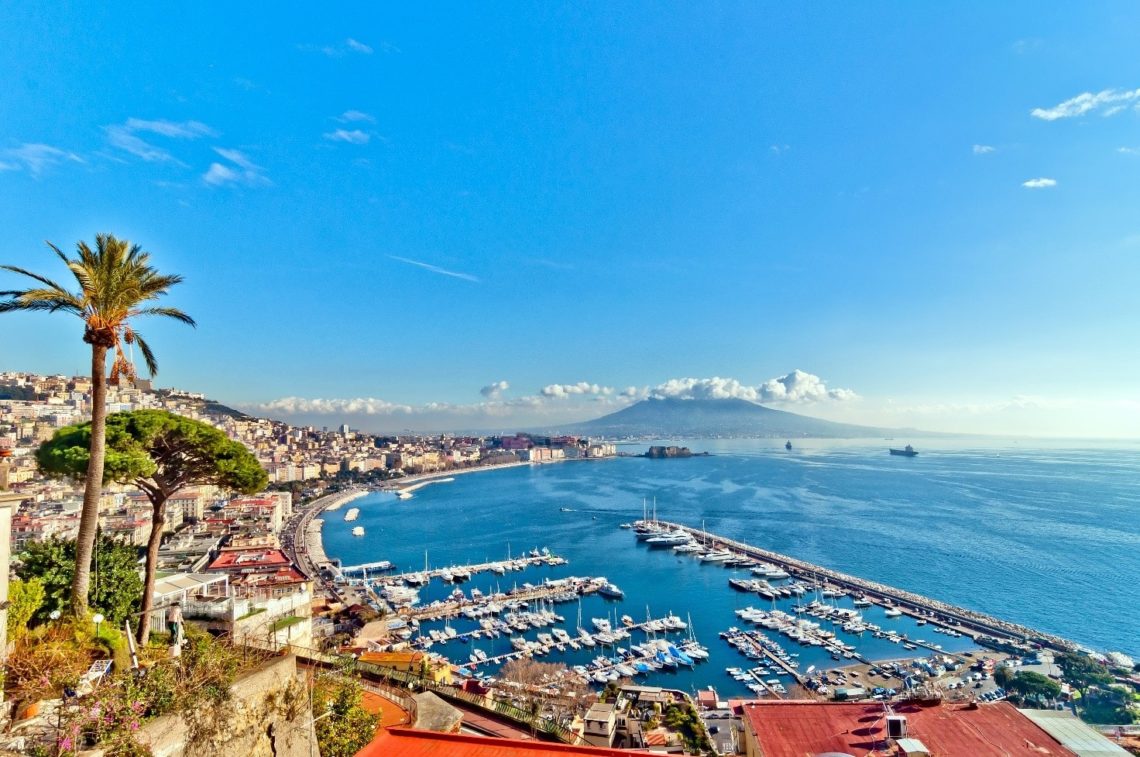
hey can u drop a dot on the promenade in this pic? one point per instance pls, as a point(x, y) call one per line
point(302, 535)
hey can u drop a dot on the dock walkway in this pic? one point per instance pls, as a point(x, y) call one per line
point(451, 608)
point(517, 563)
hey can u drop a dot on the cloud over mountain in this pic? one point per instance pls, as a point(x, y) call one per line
point(562, 391)
point(795, 387)
point(553, 403)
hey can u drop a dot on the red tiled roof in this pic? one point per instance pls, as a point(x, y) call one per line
point(258, 559)
point(792, 729)
point(406, 742)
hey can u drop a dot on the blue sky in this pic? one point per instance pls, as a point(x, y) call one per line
point(408, 205)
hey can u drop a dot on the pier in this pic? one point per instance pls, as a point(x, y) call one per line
point(967, 622)
point(549, 590)
point(363, 568)
point(758, 646)
point(499, 567)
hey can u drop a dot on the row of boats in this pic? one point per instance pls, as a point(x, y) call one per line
point(481, 605)
point(460, 573)
point(651, 656)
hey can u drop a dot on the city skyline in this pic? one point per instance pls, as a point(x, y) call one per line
point(508, 217)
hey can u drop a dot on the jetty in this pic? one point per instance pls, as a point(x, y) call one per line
point(570, 588)
point(760, 644)
point(381, 566)
point(462, 572)
point(980, 627)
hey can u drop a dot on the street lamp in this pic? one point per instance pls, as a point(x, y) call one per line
point(55, 614)
point(98, 618)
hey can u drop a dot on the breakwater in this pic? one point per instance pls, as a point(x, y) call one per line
point(978, 624)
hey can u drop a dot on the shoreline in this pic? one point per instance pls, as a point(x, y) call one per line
point(420, 479)
point(308, 531)
point(308, 534)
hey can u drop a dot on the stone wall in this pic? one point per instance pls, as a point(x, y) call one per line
point(267, 715)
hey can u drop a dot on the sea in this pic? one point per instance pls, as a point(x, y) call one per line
point(1046, 534)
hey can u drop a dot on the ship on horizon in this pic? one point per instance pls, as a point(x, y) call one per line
point(907, 451)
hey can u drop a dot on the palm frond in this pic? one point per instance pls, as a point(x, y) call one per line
point(42, 279)
point(148, 355)
point(174, 313)
point(41, 299)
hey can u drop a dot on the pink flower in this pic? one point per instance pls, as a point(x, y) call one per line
point(65, 743)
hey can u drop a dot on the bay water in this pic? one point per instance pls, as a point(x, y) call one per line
point(1044, 534)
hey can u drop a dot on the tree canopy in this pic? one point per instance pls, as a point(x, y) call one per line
point(1083, 671)
point(1035, 685)
point(158, 451)
point(116, 587)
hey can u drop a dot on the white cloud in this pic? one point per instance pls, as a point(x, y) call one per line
point(125, 137)
point(1087, 102)
point(352, 116)
point(363, 405)
point(984, 149)
point(35, 158)
point(1128, 150)
point(551, 405)
point(436, 269)
point(795, 387)
point(779, 149)
point(563, 391)
point(495, 389)
point(800, 386)
point(178, 130)
point(352, 136)
point(1039, 183)
point(217, 174)
point(350, 45)
point(357, 47)
point(121, 138)
point(246, 171)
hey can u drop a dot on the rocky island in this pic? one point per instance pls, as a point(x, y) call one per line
point(664, 452)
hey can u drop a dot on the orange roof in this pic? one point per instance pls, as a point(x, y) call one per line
point(792, 729)
point(407, 742)
point(390, 713)
point(380, 658)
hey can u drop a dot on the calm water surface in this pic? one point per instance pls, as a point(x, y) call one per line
point(1048, 537)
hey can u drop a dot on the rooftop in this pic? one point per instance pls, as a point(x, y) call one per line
point(390, 658)
point(405, 742)
point(792, 729)
point(1074, 733)
point(253, 558)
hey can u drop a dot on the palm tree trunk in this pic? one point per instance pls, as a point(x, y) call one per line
point(157, 521)
point(89, 516)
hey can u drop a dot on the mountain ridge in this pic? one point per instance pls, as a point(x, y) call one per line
point(728, 417)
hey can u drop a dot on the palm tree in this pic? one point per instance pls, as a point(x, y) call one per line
point(116, 283)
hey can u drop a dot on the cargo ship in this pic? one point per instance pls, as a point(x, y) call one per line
point(907, 451)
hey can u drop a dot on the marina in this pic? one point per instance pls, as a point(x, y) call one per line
point(576, 510)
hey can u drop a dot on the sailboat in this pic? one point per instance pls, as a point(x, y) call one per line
point(419, 579)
